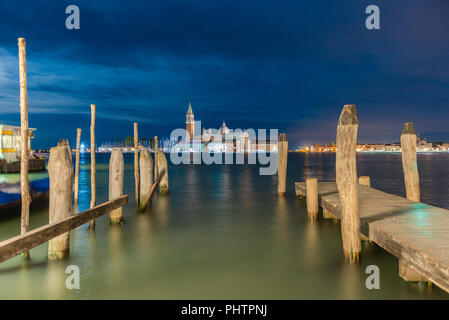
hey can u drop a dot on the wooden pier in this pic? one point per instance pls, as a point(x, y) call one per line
point(414, 232)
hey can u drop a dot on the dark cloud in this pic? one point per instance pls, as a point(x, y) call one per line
point(263, 64)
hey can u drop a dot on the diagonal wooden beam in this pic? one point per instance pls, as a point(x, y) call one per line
point(16, 245)
point(144, 202)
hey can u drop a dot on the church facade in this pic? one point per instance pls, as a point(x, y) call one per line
point(219, 140)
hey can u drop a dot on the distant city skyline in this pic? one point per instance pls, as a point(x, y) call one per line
point(290, 67)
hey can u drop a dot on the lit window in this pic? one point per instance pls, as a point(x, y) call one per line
point(7, 142)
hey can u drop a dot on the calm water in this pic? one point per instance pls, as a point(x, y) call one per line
point(222, 233)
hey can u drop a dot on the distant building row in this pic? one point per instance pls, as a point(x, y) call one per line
point(221, 140)
point(421, 146)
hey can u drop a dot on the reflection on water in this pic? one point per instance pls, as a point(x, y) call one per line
point(222, 232)
point(15, 177)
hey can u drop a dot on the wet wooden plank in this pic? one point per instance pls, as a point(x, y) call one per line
point(414, 232)
point(16, 245)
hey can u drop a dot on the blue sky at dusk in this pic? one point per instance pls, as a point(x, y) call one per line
point(290, 65)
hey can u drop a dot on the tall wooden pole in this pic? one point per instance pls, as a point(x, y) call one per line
point(77, 168)
point(116, 175)
point(156, 148)
point(282, 163)
point(60, 173)
point(93, 184)
point(136, 163)
point(346, 177)
point(409, 162)
point(24, 135)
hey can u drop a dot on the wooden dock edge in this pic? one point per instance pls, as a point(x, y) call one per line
point(16, 245)
point(412, 265)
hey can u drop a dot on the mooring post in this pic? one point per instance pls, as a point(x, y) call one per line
point(77, 168)
point(312, 198)
point(162, 165)
point(346, 178)
point(60, 174)
point(146, 181)
point(24, 183)
point(156, 150)
point(282, 163)
point(136, 163)
point(116, 176)
point(409, 162)
point(365, 181)
point(93, 185)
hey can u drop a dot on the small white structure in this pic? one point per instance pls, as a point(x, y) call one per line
point(10, 142)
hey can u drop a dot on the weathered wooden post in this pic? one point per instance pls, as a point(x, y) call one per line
point(156, 150)
point(409, 162)
point(24, 183)
point(162, 165)
point(146, 181)
point(282, 163)
point(77, 168)
point(136, 163)
point(365, 181)
point(312, 198)
point(93, 184)
point(116, 176)
point(60, 173)
point(346, 177)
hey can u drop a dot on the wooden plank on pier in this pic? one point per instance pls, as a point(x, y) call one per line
point(414, 232)
point(14, 246)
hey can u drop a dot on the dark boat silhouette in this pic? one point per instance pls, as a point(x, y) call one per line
point(10, 199)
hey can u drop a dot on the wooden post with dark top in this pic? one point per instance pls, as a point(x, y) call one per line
point(282, 163)
point(77, 169)
point(312, 198)
point(116, 176)
point(60, 174)
point(146, 179)
point(93, 184)
point(162, 166)
point(409, 162)
point(136, 163)
point(24, 183)
point(365, 181)
point(346, 178)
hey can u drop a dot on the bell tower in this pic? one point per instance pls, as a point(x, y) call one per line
point(190, 122)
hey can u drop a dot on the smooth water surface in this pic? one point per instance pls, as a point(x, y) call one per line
point(222, 233)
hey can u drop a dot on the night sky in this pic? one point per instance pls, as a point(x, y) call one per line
point(290, 65)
